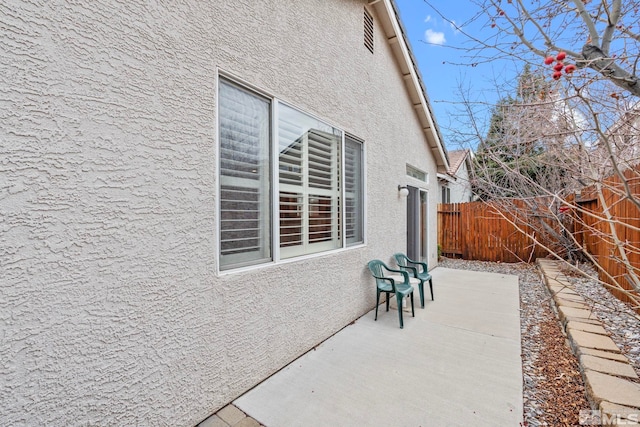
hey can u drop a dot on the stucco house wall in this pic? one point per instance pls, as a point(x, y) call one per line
point(113, 308)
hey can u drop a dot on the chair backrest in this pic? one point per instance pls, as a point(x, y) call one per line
point(376, 267)
point(401, 259)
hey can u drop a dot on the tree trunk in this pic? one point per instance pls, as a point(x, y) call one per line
point(596, 59)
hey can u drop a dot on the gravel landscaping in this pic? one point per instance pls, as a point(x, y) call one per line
point(553, 388)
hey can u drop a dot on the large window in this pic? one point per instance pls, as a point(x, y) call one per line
point(319, 204)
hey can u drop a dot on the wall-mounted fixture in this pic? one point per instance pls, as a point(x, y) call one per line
point(403, 190)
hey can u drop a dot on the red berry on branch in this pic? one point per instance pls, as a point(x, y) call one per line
point(549, 60)
point(557, 75)
point(559, 66)
point(561, 56)
point(569, 68)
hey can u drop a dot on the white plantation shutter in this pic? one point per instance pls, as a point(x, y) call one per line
point(323, 187)
point(245, 214)
point(309, 169)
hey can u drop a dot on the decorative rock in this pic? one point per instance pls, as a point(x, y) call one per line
point(587, 339)
point(607, 366)
point(612, 389)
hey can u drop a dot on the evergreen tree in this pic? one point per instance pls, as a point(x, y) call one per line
point(514, 158)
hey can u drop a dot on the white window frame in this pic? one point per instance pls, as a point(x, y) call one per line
point(277, 258)
point(417, 173)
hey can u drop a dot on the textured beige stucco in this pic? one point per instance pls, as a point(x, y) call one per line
point(111, 308)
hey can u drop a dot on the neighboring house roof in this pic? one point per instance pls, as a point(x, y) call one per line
point(396, 37)
point(456, 159)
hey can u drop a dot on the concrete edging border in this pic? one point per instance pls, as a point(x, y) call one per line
point(606, 372)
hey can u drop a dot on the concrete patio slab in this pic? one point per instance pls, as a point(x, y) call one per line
point(456, 363)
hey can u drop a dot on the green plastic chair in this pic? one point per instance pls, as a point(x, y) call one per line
point(391, 286)
point(412, 267)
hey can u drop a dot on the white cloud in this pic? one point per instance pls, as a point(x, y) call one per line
point(434, 37)
point(428, 18)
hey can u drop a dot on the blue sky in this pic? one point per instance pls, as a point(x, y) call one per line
point(444, 59)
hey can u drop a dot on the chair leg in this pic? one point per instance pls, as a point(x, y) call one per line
point(387, 295)
point(413, 313)
point(399, 300)
point(421, 289)
point(377, 303)
point(431, 288)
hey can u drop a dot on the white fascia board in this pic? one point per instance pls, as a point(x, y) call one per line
point(425, 107)
point(446, 177)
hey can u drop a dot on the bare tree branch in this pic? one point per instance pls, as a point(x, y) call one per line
point(613, 17)
point(584, 15)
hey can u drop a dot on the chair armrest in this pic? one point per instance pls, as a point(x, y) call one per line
point(425, 269)
point(412, 269)
point(403, 273)
point(391, 281)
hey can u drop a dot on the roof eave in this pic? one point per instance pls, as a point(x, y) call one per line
point(396, 37)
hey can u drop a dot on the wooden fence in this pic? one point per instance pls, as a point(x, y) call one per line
point(597, 234)
point(487, 231)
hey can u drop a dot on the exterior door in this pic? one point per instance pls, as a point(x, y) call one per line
point(417, 231)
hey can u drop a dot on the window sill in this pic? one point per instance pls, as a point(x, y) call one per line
point(301, 258)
